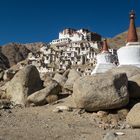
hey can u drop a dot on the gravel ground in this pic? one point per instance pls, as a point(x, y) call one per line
point(47, 123)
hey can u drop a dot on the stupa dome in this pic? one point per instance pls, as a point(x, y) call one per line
point(104, 60)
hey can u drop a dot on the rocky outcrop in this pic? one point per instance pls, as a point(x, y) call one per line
point(72, 77)
point(46, 95)
point(101, 91)
point(133, 117)
point(24, 83)
point(14, 52)
point(4, 62)
point(35, 47)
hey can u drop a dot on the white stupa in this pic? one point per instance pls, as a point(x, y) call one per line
point(104, 60)
point(130, 54)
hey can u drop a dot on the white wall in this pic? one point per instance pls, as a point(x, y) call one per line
point(129, 55)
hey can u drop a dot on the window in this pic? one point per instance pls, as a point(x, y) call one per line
point(83, 48)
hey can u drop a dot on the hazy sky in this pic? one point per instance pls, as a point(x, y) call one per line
point(26, 21)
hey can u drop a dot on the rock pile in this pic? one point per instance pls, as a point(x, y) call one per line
point(46, 95)
point(117, 88)
point(108, 95)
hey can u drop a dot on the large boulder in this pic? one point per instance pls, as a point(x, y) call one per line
point(24, 83)
point(101, 91)
point(60, 79)
point(128, 69)
point(72, 77)
point(133, 74)
point(46, 95)
point(133, 117)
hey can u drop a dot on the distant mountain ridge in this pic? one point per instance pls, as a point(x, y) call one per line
point(120, 39)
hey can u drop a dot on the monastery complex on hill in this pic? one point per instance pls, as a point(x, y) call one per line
point(86, 51)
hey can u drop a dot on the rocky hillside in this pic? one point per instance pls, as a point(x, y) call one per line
point(12, 53)
point(34, 47)
point(4, 63)
point(120, 39)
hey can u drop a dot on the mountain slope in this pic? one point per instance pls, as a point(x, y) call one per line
point(120, 39)
point(12, 53)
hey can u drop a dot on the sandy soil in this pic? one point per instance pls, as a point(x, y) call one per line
point(43, 123)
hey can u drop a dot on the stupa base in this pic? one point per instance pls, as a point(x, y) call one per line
point(130, 54)
point(136, 65)
point(102, 68)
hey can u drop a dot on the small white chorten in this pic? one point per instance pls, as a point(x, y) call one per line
point(130, 54)
point(104, 60)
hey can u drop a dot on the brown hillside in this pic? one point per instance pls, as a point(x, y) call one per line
point(34, 47)
point(119, 40)
point(12, 53)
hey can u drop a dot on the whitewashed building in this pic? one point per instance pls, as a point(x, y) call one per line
point(72, 35)
point(73, 48)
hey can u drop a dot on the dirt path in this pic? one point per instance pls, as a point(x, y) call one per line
point(42, 123)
